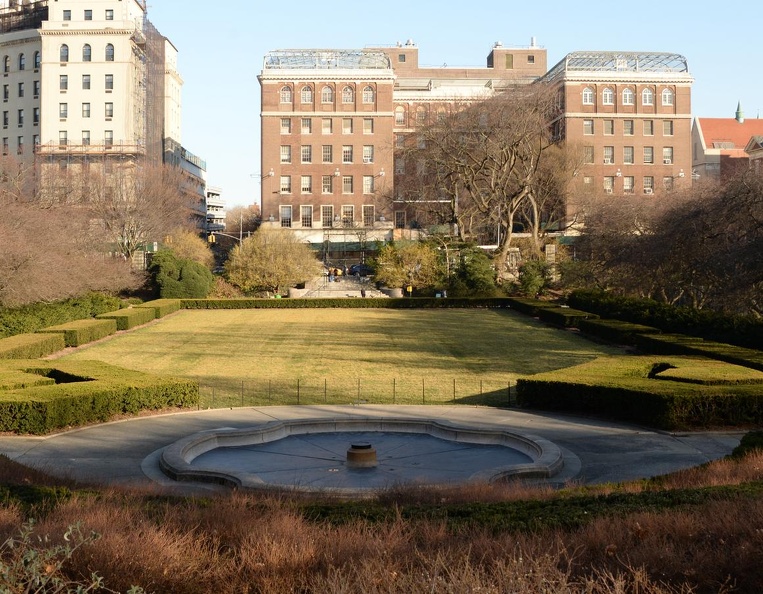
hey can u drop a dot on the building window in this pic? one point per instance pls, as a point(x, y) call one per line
point(648, 127)
point(63, 82)
point(36, 116)
point(108, 138)
point(347, 95)
point(647, 97)
point(67, 15)
point(327, 187)
point(327, 126)
point(400, 140)
point(667, 128)
point(85, 82)
point(109, 110)
point(5, 119)
point(307, 126)
point(627, 127)
point(306, 184)
point(6, 93)
point(531, 59)
point(109, 84)
point(22, 62)
point(628, 97)
point(648, 184)
point(327, 215)
point(667, 155)
point(36, 89)
point(86, 137)
point(327, 153)
point(307, 154)
point(285, 154)
point(285, 94)
point(21, 89)
point(588, 127)
point(588, 96)
point(37, 60)
point(368, 95)
point(609, 155)
point(401, 58)
point(109, 14)
point(285, 125)
point(399, 219)
point(667, 97)
point(327, 95)
point(587, 154)
point(63, 53)
point(285, 184)
point(608, 97)
point(285, 216)
point(649, 155)
point(5, 145)
point(346, 125)
point(63, 110)
point(609, 184)
point(306, 215)
point(667, 182)
point(87, 53)
point(20, 145)
point(348, 214)
point(347, 153)
point(368, 153)
point(400, 166)
point(609, 127)
point(628, 184)
point(368, 184)
point(306, 95)
point(88, 15)
point(347, 187)
point(85, 110)
point(399, 117)
point(421, 116)
point(368, 126)
point(6, 64)
point(628, 155)
point(35, 141)
point(587, 179)
point(369, 215)
point(63, 139)
point(109, 52)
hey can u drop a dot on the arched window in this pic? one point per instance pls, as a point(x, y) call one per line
point(647, 97)
point(327, 95)
point(347, 95)
point(608, 97)
point(667, 97)
point(628, 97)
point(587, 96)
point(87, 52)
point(64, 53)
point(306, 96)
point(37, 60)
point(22, 62)
point(6, 64)
point(285, 94)
point(109, 52)
point(368, 95)
point(399, 116)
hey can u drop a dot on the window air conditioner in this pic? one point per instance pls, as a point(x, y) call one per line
point(366, 159)
point(667, 161)
point(608, 190)
point(647, 190)
point(607, 161)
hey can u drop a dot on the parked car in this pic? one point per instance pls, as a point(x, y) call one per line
point(361, 270)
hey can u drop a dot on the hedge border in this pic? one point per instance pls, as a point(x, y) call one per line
point(127, 319)
point(31, 346)
point(162, 307)
point(83, 331)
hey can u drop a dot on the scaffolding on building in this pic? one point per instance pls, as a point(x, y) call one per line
point(18, 16)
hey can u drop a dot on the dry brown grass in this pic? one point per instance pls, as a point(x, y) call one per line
point(247, 543)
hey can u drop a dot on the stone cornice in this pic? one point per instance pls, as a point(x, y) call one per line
point(327, 114)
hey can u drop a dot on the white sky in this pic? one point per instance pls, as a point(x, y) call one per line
point(222, 44)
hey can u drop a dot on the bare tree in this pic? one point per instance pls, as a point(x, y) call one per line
point(187, 245)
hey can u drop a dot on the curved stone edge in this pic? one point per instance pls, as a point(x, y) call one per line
point(177, 458)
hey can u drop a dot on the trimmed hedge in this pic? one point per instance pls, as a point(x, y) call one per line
point(31, 346)
point(84, 392)
point(127, 319)
point(630, 389)
point(679, 344)
point(744, 331)
point(615, 331)
point(529, 306)
point(379, 303)
point(162, 307)
point(565, 317)
point(83, 331)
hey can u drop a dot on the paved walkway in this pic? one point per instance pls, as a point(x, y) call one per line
point(126, 452)
point(346, 286)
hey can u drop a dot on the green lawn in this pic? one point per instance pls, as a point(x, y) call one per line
point(340, 355)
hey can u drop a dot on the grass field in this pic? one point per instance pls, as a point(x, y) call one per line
point(253, 357)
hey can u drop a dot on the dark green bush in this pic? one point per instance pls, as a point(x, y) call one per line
point(126, 319)
point(679, 344)
point(615, 330)
point(82, 332)
point(31, 346)
point(534, 277)
point(380, 303)
point(751, 442)
point(565, 317)
point(176, 278)
point(529, 306)
point(30, 318)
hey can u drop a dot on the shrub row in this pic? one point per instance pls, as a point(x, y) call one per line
point(566, 317)
point(84, 392)
point(529, 306)
point(679, 344)
point(30, 346)
point(162, 307)
point(127, 319)
point(380, 303)
point(83, 331)
point(30, 318)
point(625, 388)
point(739, 330)
point(615, 331)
